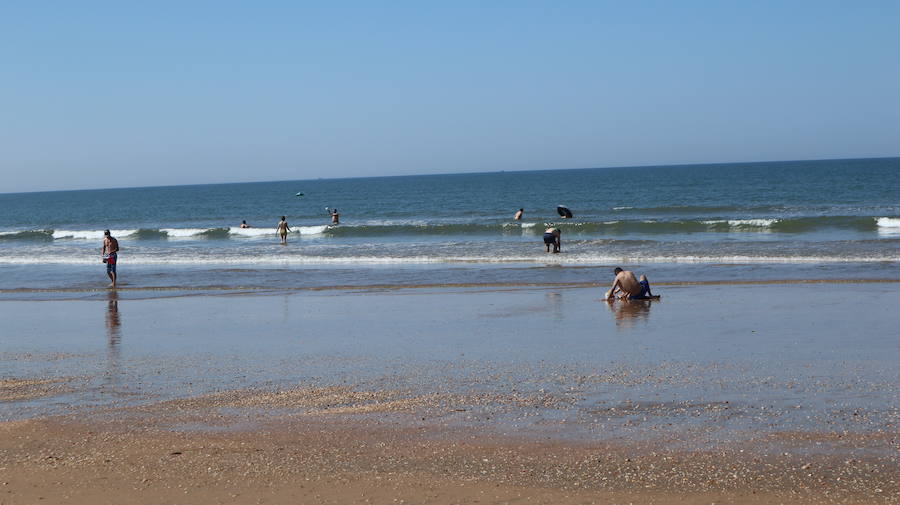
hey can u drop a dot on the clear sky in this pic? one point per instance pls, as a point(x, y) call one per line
point(112, 94)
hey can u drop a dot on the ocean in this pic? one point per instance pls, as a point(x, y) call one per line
point(776, 221)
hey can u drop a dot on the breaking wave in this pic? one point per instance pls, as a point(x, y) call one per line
point(378, 229)
point(888, 222)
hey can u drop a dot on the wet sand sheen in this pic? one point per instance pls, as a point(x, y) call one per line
point(445, 396)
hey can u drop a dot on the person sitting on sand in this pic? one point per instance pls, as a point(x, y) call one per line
point(628, 286)
point(282, 230)
point(244, 224)
point(552, 237)
point(625, 284)
point(518, 215)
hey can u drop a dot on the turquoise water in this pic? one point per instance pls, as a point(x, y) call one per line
point(780, 220)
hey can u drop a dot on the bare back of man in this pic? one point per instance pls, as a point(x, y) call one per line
point(625, 282)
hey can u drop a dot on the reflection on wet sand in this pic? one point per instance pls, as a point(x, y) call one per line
point(555, 302)
point(113, 335)
point(628, 312)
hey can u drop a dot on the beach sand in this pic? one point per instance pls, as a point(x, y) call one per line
point(763, 395)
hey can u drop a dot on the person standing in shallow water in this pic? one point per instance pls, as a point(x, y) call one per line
point(282, 230)
point(110, 255)
point(552, 238)
point(518, 215)
point(335, 217)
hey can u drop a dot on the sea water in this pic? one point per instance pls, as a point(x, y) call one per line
point(724, 222)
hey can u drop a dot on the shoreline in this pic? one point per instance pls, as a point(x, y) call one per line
point(270, 290)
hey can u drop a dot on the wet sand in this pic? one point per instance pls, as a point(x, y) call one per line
point(454, 396)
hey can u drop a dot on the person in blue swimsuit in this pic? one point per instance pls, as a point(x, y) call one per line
point(645, 293)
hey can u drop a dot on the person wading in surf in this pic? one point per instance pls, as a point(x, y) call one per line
point(552, 238)
point(110, 254)
point(282, 230)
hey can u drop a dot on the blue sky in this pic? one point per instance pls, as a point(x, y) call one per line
point(112, 94)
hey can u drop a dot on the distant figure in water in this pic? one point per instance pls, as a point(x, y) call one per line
point(627, 286)
point(335, 217)
point(564, 212)
point(244, 224)
point(110, 254)
point(552, 237)
point(518, 215)
point(282, 230)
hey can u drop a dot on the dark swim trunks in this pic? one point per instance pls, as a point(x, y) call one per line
point(549, 238)
point(111, 262)
point(645, 292)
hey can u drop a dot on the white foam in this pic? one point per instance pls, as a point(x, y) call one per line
point(751, 223)
point(529, 225)
point(252, 232)
point(392, 222)
point(183, 232)
point(888, 222)
point(311, 230)
point(622, 208)
point(90, 234)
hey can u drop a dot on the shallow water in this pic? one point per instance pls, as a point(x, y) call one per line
point(722, 359)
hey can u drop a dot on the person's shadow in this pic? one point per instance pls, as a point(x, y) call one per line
point(628, 312)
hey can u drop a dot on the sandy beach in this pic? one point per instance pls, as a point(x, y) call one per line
point(300, 253)
point(454, 395)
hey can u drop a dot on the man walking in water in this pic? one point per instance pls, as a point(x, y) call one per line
point(110, 254)
point(282, 230)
